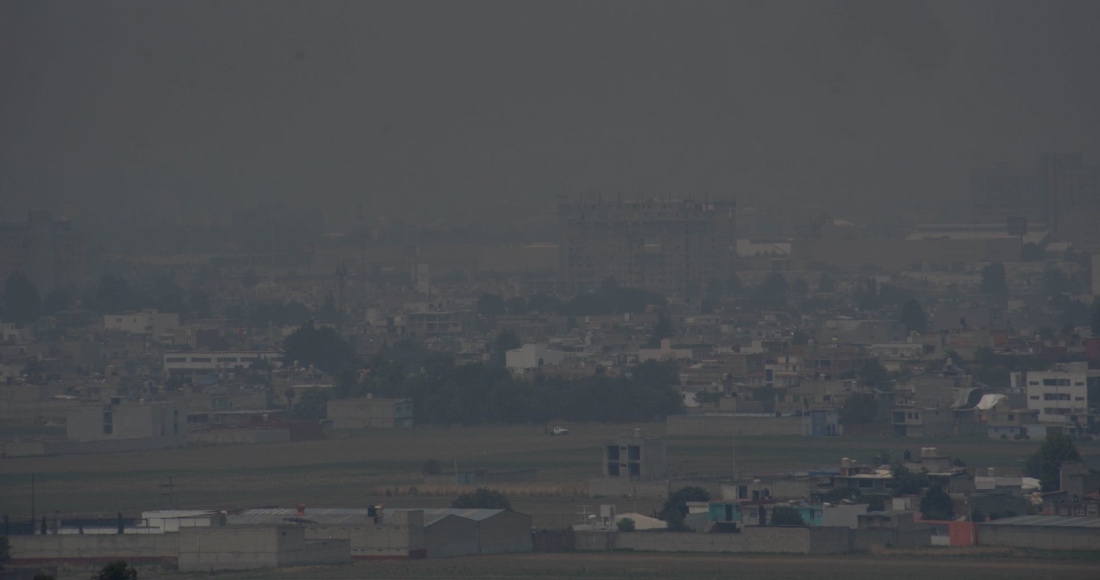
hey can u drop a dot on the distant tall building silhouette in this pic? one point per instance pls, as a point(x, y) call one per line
point(47, 250)
point(1061, 192)
point(667, 246)
point(1072, 193)
point(1004, 191)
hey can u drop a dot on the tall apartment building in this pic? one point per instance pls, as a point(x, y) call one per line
point(1061, 395)
point(49, 251)
point(666, 246)
point(1060, 191)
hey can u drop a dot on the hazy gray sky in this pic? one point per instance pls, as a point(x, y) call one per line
point(465, 108)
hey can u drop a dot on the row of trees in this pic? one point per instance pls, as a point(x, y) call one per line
point(471, 394)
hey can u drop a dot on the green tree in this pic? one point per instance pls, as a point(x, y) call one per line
point(1094, 316)
point(875, 503)
point(626, 525)
point(5, 549)
point(787, 516)
point(799, 287)
point(913, 317)
point(661, 330)
point(114, 295)
point(198, 301)
point(57, 300)
point(773, 292)
point(873, 374)
point(505, 341)
point(994, 280)
point(826, 284)
point(491, 305)
point(516, 306)
point(675, 509)
point(313, 404)
point(858, 409)
point(935, 504)
point(1046, 463)
point(321, 347)
point(119, 570)
point(482, 499)
point(432, 467)
point(908, 482)
point(22, 303)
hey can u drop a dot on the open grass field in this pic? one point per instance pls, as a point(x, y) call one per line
point(625, 565)
point(384, 465)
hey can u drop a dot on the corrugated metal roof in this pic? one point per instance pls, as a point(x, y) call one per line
point(1047, 521)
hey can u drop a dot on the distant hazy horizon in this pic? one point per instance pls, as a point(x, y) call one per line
point(474, 110)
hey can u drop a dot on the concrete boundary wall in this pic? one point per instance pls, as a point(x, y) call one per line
point(84, 548)
point(774, 540)
point(1039, 537)
point(238, 436)
point(731, 425)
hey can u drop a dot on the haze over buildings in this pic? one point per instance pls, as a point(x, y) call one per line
point(129, 110)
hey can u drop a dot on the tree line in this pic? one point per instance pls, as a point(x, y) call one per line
point(446, 393)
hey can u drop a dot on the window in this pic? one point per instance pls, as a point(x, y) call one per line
point(200, 359)
point(1034, 397)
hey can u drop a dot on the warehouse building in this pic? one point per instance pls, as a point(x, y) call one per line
point(1042, 533)
point(405, 533)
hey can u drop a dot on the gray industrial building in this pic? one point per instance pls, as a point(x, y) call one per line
point(406, 533)
point(126, 426)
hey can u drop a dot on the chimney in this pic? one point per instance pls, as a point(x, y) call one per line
point(301, 510)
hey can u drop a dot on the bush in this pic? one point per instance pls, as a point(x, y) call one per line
point(787, 516)
point(936, 504)
point(119, 570)
point(5, 549)
point(626, 525)
point(432, 467)
point(482, 499)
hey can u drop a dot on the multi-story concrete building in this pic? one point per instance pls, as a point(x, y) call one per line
point(666, 246)
point(161, 424)
point(176, 363)
point(1061, 395)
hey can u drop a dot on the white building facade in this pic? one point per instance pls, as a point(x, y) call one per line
point(1061, 395)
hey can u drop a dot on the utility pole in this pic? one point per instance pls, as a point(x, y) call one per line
point(168, 489)
point(32, 503)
